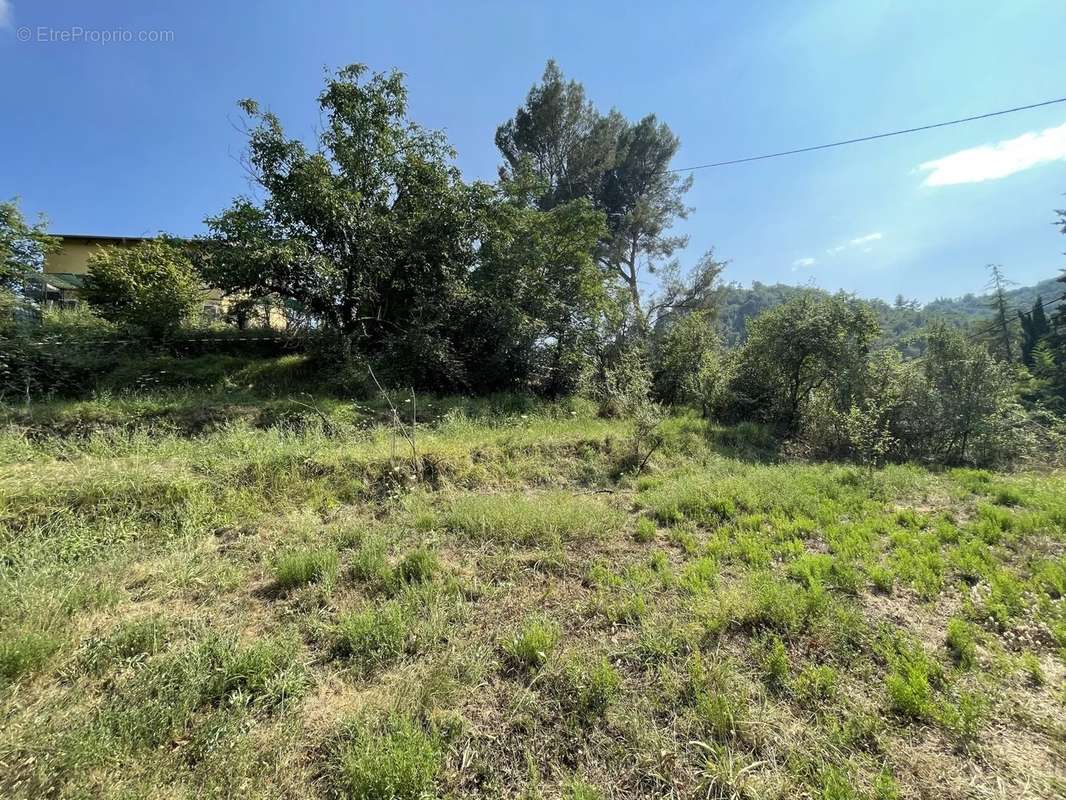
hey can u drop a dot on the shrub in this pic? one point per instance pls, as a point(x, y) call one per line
point(151, 285)
point(301, 567)
point(393, 760)
point(794, 348)
point(532, 644)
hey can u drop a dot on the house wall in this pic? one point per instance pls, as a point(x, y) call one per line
point(73, 254)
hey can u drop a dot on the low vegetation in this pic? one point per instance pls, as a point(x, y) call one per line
point(293, 610)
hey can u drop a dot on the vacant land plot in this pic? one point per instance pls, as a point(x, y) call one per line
point(281, 600)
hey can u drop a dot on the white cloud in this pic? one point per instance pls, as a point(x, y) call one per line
point(858, 241)
point(5, 13)
point(990, 162)
point(800, 263)
point(870, 237)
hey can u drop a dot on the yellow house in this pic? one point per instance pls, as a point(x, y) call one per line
point(67, 265)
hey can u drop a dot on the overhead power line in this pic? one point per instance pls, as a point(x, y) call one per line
point(869, 138)
point(1012, 318)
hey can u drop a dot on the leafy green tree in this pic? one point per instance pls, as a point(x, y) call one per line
point(997, 285)
point(537, 295)
point(370, 231)
point(621, 167)
point(1035, 328)
point(795, 349)
point(681, 356)
point(151, 285)
point(559, 137)
point(1058, 319)
point(23, 247)
point(966, 400)
point(642, 201)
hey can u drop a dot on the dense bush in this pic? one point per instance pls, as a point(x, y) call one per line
point(810, 343)
point(151, 286)
point(953, 405)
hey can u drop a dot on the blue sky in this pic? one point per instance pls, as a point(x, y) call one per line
point(136, 137)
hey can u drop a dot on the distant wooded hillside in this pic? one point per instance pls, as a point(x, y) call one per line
point(738, 304)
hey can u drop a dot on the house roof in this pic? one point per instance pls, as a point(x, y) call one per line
point(96, 236)
point(64, 281)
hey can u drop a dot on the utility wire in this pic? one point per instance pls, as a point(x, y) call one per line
point(995, 325)
point(869, 138)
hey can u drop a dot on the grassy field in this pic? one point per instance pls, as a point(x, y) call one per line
point(230, 597)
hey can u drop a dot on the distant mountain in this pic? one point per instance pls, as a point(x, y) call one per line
point(977, 305)
point(738, 304)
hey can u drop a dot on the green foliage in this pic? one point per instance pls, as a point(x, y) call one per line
point(393, 759)
point(24, 652)
point(688, 363)
point(796, 348)
point(621, 167)
point(127, 641)
point(151, 286)
point(60, 353)
point(719, 698)
point(966, 401)
point(23, 248)
point(964, 717)
point(588, 687)
point(115, 507)
point(151, 705)
point(815, 687)
point(418, 566)
point(1032, 669)
point(910, 681)
point(529, 648)
point(300, 567)
point(389, 275)
point(539, 296)
point(629, 609)
point(538, 520)
point(376, 636)
point(962, 642)
point(576, 789)
point(622, 388)
point(644, 531)
point(773, 661)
